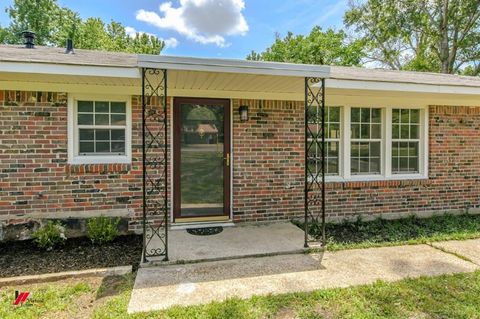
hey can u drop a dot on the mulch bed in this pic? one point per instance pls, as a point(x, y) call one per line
point(23, 258)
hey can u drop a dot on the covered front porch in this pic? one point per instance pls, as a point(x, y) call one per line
point(166, 81)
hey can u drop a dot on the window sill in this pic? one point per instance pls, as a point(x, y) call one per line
point(378, 182)
point(97, 168)
point(105, 159)
point(375, 178)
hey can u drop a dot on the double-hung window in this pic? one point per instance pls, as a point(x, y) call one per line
point(366, 141)
point(370, 143)
point(405, 141)
point(100, 131)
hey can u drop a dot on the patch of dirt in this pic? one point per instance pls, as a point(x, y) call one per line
point(24, 258)
point(286, 313)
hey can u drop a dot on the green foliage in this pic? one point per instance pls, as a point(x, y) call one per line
point(54, 24)
point(319, 47)
point(50, 235)
point(411, 230)
point(45, 301)
point(102, 229)
point(421, 35)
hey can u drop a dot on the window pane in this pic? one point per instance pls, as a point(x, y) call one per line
point(86, 147)
point(102, 135)
point(332, 149)
point(365, 131)
point(365, 149)
point(365, 115)
point(118, 135)
point(376, 116)
point(376, 131)
point(364, 164)
point(85, 119)
point(118, 119)
point(332, 166)
point(85, 106)
point(404, 131)
point(355, 149)
point(414, 116)
point(313, 130)
point(395, 131)
point(414, 132)
point(118, 107)
point(355, 115)
point(405, 116)
point(413, 149)
point(403, 164)
point(375, 149)
point(375, 165)
point(354, 162)
point(101, 119)
point(403, 151)
point(118, 147)
point(395, 116)
point(413, 164)
point(101, 107)
point(394, 164)
point(102, 147)
point(87, 134)
point(355, 130)
point(395, 148)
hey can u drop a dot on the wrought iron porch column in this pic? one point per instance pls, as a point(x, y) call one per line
point(155, 163)
point(314, 160)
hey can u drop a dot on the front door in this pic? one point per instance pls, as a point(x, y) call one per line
point(201, 159)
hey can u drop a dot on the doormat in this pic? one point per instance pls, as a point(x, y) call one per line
point(205, 231)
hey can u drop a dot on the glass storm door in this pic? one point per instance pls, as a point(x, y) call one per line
point(201, 158)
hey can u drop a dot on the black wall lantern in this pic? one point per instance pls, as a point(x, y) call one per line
point(243, 110)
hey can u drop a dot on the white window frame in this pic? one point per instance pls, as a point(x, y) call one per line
point(386, 146)
point(73, 131)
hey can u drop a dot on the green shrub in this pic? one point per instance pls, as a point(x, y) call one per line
point(102, 229)
point(50, 235)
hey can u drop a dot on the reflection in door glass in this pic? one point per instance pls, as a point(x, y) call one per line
point(201, 165)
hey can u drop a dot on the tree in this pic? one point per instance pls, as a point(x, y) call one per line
point(319, 47)
point(54, 24)
point(425, 35)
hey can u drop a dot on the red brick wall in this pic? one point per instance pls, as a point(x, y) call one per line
point(34, 174)
point(267, 165)
point(268, 170)
point(268, 158)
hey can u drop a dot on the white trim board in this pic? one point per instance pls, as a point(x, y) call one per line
point(232, 66)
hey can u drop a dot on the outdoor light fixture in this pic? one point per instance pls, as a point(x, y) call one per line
point(243, 110)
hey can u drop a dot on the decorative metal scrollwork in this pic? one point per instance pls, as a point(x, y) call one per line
point(155, 163)
point(314, 160)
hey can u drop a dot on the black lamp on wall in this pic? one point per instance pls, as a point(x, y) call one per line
point(243, 110)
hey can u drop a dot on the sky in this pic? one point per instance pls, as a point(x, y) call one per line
point(212, 28)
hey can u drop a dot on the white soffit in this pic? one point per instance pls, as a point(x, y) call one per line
point(399, 87)
point(232, 66)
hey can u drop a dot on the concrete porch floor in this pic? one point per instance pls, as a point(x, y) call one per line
point(253, 240)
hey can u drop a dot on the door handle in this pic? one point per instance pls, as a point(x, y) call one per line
point(227, 159)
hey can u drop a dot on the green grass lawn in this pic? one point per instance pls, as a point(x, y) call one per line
point(449, 296)
point(411, 230)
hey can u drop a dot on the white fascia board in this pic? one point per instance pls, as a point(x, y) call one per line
point(67, 69)
point(232, 66)
point(400, 87)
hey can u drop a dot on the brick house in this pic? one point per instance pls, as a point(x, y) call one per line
point(72, 139)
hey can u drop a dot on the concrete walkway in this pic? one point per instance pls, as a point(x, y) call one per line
point(165, 286)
